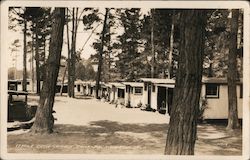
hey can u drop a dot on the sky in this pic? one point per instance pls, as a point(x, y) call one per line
point(82, 36)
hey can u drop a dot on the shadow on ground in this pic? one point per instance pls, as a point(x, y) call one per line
point(111, 137)
point(105, 137)
point(217, 140)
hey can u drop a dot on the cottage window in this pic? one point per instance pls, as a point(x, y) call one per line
point(138, 90)
point(212, 91)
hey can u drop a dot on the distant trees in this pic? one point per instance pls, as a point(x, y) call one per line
point(85, 71)
point(44, 120)
point(40, 28)
point(156, 31)
point(181, 134)
point(21, 15)
point(129, 44)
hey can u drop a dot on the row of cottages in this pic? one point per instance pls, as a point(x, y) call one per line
point(158, 94)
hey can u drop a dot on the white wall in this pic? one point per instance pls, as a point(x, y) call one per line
point(127, 96)
point(135, 99)
point(154, 97)
point(144, 96)
point(218, 107)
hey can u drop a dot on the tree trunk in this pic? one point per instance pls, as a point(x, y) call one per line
point(44, 56)
point(24, 84)
point(171, 47)
point(71, 83)
point(183, 117)
point(99, 69)
point(232, 72)
point(37, 58)
point(69, 56)
point(64, 73)
point(32, 64)
point(44, 120)
point(152, 45)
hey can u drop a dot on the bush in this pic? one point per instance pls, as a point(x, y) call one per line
point(203, 106)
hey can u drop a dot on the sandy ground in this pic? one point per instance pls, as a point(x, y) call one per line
point(92, 127)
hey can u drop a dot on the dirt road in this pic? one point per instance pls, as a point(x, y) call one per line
point(89, 126)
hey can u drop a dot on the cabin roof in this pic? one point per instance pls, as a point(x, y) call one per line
point(158, 80)
point(117, 84)
point(14, 80)
point(78, 81)
point(217, 80)
point(133, 84)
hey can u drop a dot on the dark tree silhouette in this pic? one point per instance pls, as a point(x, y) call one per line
point(232, 72)
point(44, 119)
point(183, 117)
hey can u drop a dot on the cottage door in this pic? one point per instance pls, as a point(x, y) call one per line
point(149, 94)
point(162, 99)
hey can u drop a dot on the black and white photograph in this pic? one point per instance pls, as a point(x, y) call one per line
point(93, 79)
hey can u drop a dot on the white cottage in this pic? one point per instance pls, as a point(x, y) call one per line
point(79, 86)
point(133, 93)
point(117, 92)
point(215, 91)
point(158, 93)
point(89, 85)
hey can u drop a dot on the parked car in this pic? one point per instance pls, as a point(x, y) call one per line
point(18, 108)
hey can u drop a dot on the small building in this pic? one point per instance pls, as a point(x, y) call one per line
point(133, 93)
point(158, 93)
point(17, 85)
point(90, 88)
point(14, 85)
point(116, 92)
point(215, 92)
point(79, 86)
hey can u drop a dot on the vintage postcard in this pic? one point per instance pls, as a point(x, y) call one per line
point(125, 80)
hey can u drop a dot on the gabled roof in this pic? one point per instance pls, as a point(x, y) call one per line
point(158, 80)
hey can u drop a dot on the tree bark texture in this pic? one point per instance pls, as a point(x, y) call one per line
point(32, 64)
point(232, 72)
point(69, 55)
point(152, 45)
point(44, 120)
point(64, 73)
point(71, 67)
point(181, 134)
point(99, 69)
point(171, 47)
point(24, 84)
point(37, 58)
